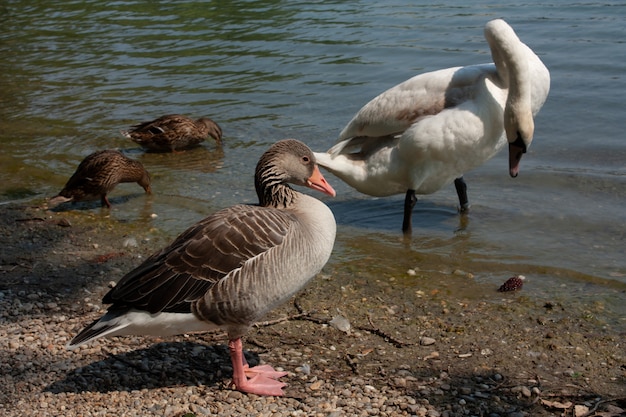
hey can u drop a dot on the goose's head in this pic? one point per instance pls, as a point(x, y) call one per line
point(288, 161)
point(519, 127)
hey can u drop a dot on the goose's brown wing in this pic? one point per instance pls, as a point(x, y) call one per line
point(172, 278)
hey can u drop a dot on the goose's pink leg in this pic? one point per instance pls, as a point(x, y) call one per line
point(262, 379)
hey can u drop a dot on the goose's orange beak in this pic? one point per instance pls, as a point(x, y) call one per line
point(317, 182)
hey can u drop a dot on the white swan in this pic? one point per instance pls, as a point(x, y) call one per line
point(427, 131)
point(231, 268)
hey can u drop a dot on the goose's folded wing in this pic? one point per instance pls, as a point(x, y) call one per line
point(202, 255)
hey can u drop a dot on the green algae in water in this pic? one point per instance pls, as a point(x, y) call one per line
point(17, 193)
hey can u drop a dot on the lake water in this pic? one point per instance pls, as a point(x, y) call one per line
point(74, 73)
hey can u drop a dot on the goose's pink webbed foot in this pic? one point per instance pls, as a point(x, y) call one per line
point(260, 380)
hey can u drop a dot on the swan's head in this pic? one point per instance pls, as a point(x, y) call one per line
point(519, 127)
point(519, 70)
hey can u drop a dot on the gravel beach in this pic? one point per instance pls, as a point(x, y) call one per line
point(399, 352)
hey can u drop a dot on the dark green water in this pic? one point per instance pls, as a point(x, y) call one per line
point(75, 73)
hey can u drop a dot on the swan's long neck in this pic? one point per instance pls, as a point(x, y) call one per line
point(511, 58)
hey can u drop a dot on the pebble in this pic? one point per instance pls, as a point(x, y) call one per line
point(427, 341)
point(130, 242)
point(525, 391)
point(340, 323)
point(316, 385)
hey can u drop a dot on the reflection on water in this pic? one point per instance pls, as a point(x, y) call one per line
point(199, 159)
point(75, 73)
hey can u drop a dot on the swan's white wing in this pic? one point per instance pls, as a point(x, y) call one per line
point(398, 108)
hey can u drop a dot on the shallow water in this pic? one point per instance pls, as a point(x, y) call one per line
point(76, 73)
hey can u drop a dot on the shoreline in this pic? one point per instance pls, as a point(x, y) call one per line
point(405, 354)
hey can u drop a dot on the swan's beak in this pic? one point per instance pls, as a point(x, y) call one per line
point(516, 150)
point(317, 182)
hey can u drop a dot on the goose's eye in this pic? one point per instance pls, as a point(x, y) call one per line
point(305, 159)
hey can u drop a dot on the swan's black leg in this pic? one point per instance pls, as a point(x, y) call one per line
point(409, 203)
point(461, 191)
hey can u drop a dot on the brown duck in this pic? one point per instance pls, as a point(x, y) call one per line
point(98, 174)
point(173, 132)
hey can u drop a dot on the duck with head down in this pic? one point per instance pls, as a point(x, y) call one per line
point(173, 132)
point(98, 174)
